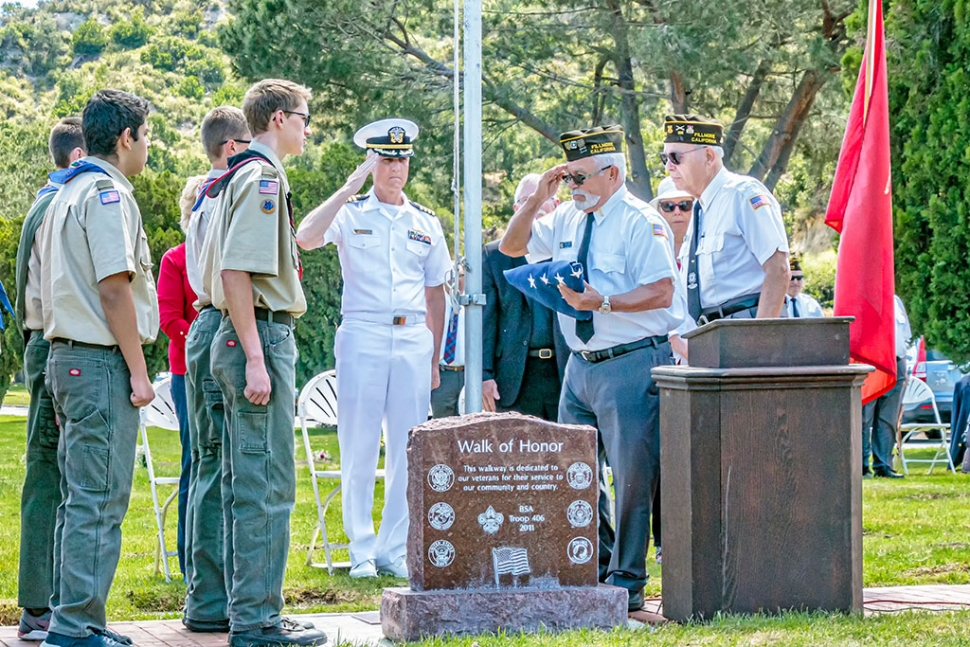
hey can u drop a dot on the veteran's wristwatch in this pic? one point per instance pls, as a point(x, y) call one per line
point(605, 307)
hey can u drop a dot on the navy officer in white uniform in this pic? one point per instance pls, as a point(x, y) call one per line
point(738, 265)
point(624, 245)
point(394, 259)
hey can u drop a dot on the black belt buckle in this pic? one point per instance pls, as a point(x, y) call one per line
point(588, 355)
point(399, 321)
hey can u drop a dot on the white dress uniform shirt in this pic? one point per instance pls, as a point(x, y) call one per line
point(807, 306)
point(388, 254)
point(630, 247)
point(194, 238)
point(903, 332)
point(459, 337)
point(741, 228)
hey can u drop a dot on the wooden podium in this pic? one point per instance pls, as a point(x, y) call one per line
point(761, 470)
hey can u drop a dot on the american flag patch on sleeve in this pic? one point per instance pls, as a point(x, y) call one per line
point(658, 230)
point(759, 201)
point(108, 197)
point(269, 187)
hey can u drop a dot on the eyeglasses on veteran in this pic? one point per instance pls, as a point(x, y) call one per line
point(677, 157)
point(579, 178)
point(683, 205)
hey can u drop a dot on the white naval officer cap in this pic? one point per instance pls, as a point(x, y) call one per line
point(388, 137)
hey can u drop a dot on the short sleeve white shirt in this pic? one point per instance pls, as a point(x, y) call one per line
point(630, 247)
point(388, 255)
point(741, 228)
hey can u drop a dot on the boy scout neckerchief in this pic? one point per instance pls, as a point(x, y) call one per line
point(34, 218)
point(201, 196)
point(236, 162)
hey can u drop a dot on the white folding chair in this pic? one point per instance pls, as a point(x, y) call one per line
point(318, 404)
point(160, 412)
point(918, 393)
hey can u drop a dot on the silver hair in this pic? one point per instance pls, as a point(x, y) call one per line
point(615, 159)
point(718, 152)
point(531, 178)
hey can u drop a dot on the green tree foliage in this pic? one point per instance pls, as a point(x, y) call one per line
point(89, 38)
point(131, 33)
point(929, 94)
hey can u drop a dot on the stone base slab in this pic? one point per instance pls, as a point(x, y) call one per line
point(411, 615)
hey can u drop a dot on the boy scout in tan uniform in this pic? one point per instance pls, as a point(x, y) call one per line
point(251, 270)
point(99, 305)
point(42, 482)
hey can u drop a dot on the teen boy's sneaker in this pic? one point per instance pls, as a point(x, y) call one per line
point(33, 627)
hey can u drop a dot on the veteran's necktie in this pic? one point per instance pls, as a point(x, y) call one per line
point(693, 278)
point(584, 329)
point(451, 339)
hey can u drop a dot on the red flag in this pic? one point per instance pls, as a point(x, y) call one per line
point(860, 208)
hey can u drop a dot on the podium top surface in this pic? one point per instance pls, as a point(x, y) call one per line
point(752, 343)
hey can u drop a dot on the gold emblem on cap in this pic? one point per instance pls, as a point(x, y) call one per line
point(396, 134)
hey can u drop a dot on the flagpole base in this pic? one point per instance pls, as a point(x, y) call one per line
point(412, 615)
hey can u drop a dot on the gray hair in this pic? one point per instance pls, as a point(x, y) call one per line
point(531, 178)
point(718, 152)
point(615, 159)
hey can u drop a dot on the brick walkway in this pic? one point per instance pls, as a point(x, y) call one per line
point(365, 628)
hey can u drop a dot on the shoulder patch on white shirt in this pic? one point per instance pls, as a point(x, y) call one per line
point(760, 200)
point(109, 197)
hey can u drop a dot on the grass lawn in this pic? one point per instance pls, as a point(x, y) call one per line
point(16, 396)
point(916, 531)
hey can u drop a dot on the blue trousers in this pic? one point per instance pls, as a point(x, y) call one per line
point(181, 411)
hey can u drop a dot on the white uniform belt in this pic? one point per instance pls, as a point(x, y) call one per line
point(389, 319)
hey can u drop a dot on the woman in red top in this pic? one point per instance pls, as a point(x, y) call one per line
point(175, 299)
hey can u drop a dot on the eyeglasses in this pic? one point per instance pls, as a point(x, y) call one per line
point(238, 141)
point(579, 178)
point(797, 278)
point(305, 115)
point(683, 205)
point(677, 157)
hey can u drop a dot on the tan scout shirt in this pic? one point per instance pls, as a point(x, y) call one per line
point(93, 230)
point(250, 232)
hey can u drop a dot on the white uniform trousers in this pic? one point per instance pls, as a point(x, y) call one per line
point(383, 381)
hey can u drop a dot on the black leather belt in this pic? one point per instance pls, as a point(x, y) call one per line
point(81, 344)
point(208, 308)
point(729, 308)
point(542, 353)
point(594, 356)
point(449, 367)
point(262, 314)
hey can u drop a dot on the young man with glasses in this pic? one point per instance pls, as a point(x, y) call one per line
point(251, 271)
point(631, 289)
point(734, 260)
point(797, 303)
point(225, 133)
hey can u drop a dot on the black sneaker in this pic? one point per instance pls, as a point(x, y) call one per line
point(206, 626)
point(288, 632)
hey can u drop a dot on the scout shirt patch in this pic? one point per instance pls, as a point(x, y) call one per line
point(566, 244)
point(269, 187)
point(759, 201)
point(109, 197)
point(420, 236)
point(658, 230)
point(268, 206)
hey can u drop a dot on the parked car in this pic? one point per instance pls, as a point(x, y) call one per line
point(940, 374)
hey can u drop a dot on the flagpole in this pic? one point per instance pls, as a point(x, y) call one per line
point(473, 299)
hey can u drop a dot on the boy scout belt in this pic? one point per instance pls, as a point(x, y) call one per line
point(541, 353)
point(450, 367)
point(392, 320)
point(280, 317)
point(81, 344)
point(594, 356)
point(728, 308)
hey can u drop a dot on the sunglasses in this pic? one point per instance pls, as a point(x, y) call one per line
point(238, 141)
point(305, 115)
point(683, 205)
point(676, 157)
point(579, 178)
point(797, 278)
